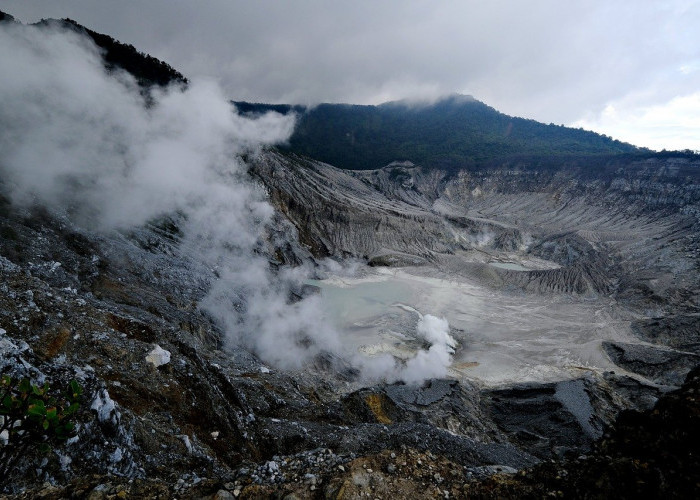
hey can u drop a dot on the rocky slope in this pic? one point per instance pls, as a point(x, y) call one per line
point(77, 305)
point(594, 227)
point(80, 306)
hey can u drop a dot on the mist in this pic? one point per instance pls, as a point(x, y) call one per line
point(433, 362)
point(85, 143)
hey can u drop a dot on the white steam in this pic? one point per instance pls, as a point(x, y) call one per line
point(433, 362)
point(483, 238)
point(82, 141)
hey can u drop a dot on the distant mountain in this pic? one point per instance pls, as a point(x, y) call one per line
point(455, 132)
point(4, 16)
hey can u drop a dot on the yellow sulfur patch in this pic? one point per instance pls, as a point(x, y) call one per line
point(374, 401)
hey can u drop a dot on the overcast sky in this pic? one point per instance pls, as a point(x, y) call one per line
point(626, 68)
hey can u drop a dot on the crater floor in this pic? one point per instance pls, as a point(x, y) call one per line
point(503, 336)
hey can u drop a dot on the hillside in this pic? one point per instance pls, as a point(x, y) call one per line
point(145, 68)
point(452, 133)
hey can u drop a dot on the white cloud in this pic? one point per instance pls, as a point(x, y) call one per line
point(544, 59)
point(671, 125)
point(690, 67)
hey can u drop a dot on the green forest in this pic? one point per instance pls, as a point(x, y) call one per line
point(455, 132)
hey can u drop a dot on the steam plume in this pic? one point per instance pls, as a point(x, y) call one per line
point(81, 141)
point(433, 362)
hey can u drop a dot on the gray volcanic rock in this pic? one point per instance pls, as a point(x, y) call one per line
point(545, 419)
point(663, 365)
point(338, 214)
point(446, 404)
point(630, 230)
point(80, 305)
point(76, 305)
point(681, 331)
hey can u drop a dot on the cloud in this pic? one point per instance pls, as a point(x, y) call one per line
point(545, 59)
point(672, 125)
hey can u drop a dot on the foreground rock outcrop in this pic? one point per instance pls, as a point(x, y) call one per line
point(647, 454)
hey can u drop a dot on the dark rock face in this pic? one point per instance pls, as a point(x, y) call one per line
point(651, 454)
point(549, 420)
point(681, 332)
point(663, 365)
point(536, 419)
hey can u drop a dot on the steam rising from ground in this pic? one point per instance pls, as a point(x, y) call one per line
point(433, 362)
point(83, 142)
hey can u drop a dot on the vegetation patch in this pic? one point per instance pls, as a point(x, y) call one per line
point(34, 417)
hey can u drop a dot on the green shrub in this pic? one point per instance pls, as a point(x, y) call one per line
point(32, 416)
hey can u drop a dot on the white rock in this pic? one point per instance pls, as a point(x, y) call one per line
point(105, 408)
point(188, 444)
point(158, 356)
point(7, 346)
point(272, 467)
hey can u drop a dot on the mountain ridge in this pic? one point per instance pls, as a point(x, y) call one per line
point(146, 69)
point(365, 137)
point(452, 133)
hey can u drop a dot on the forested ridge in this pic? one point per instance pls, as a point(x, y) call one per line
point(452, 133)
